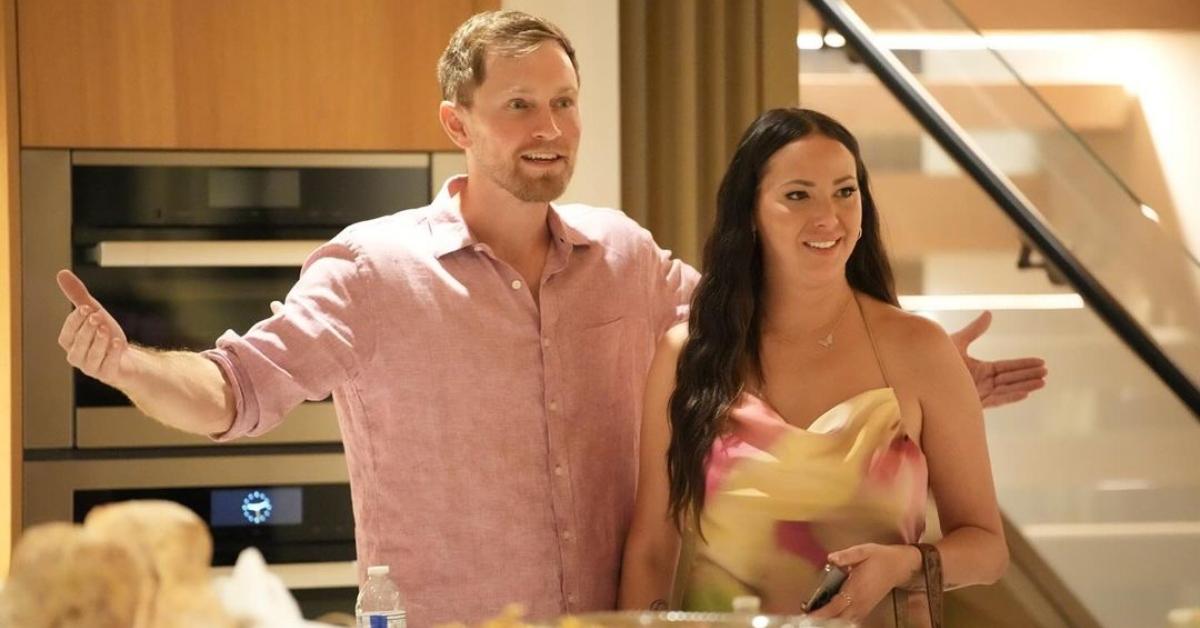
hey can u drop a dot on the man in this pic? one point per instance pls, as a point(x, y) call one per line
point(486, 353)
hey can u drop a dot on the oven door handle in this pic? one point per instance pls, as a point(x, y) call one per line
point(209, 253)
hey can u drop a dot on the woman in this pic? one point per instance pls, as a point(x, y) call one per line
point(801, 415)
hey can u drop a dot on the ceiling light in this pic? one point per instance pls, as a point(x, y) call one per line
point(900, 40)
point(974, 302)
point(834, 39)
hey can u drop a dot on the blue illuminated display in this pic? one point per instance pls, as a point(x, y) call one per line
point(254, 507)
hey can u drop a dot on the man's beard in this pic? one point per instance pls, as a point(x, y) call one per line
point(542, 188)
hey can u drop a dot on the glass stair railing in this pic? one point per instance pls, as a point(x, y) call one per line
point(994, 197)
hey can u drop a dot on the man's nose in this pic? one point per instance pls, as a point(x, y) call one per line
point(547, 126)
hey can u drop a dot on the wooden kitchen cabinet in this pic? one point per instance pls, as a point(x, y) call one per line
point(234, 74)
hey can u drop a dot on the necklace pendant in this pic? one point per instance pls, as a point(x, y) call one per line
point(826, 342)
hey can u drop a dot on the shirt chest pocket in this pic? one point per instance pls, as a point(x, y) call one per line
point(599, 366)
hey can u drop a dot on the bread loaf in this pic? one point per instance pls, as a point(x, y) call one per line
point(139, 564)
point(64, 576)
point(170, 535)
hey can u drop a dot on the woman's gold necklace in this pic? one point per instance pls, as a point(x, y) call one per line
point(826, 341)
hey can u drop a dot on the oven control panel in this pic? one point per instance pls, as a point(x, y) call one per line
point(289, 524)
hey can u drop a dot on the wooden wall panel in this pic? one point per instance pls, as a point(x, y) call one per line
point(95, 73)
point(10, 294)
point(862, 103)
point(235, 74)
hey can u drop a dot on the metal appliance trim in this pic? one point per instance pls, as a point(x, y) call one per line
point(249, 159)
point(310, 575)
point(202, 253)
point(50, 485)
point(125, 426)
point(48, 388)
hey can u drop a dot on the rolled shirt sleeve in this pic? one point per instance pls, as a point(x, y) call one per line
point(318, 342)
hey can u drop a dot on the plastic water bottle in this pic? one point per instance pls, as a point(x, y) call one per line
point(380, 604)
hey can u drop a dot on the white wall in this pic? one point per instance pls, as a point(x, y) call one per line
point(1162, 69)
point(1158, 67)
point(1155, 66)
point(593, 27)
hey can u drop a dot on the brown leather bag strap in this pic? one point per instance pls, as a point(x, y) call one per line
point(931, 564)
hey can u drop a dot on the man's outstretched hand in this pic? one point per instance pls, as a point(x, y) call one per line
point(1003, 381)
point(91, 337)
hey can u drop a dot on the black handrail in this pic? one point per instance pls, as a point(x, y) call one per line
point(901, 83)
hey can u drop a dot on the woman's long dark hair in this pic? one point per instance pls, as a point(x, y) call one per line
point(724, 329)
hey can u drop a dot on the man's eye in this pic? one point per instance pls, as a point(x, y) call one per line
point(565, 103)
point(518, 104)
point(798, 195)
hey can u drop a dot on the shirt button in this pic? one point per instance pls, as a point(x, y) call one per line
point(558, 470)
point(553, 405)
point(571, 599)
point(545, 342)
point(516, 284)
point(567, 536)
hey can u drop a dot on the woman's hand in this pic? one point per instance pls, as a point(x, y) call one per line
point(874, 571)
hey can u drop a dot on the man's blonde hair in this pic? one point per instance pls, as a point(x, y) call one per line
point(508, 33)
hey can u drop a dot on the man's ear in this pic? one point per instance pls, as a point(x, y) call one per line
point(451, 117)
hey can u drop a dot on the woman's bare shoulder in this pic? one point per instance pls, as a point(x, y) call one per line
point(922, 342)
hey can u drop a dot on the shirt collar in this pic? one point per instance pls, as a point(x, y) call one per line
point(450, 232)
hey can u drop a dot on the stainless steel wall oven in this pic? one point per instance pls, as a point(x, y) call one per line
point(180, 247)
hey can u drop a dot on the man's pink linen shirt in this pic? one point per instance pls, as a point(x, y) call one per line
point(491, 440)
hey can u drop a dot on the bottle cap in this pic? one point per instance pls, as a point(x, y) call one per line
point(377, 570)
